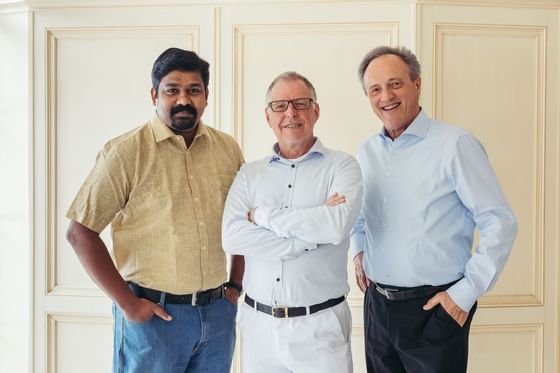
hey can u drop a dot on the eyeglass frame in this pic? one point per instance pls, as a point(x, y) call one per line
point(309, 99)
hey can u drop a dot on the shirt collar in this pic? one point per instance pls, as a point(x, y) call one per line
point(418, 127)
point(317, 148)
point(163, 132)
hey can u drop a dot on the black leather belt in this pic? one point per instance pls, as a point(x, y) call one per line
point(201, 298)
point(400, 293)
point(283, 312)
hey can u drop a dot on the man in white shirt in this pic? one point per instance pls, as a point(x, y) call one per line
point(290, 215)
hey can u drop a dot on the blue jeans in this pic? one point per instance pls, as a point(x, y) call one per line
point(199, 339)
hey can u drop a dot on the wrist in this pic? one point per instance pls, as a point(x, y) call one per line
point(234, 285)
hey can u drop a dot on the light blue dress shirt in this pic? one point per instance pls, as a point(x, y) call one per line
point(424, 194)
point(296, 252)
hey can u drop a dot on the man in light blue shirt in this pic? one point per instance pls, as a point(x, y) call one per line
point(290, 216)
point(427, 186)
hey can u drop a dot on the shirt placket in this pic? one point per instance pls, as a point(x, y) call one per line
point(279, 297)
point(199, 216)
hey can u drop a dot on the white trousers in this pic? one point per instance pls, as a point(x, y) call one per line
point(317, 343)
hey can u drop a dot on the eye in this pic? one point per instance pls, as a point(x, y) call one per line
point(396, 84)
point(302, 103)
point(374, 91)
point(279, 105)
point(171, 91)
point(194, 91)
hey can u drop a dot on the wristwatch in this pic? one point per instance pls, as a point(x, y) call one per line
point(234, 285)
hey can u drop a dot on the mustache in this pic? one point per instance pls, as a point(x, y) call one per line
point(188, 108)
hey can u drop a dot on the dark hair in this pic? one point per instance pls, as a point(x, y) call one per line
point(179, 59)
point(291, 75)
point(404, 53)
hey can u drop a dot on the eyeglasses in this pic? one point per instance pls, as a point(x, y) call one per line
point(282, 105)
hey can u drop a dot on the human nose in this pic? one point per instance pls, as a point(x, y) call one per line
point(386, 94)
point(291, 110)
point(183, 98)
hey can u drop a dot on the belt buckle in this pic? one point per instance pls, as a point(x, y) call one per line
point(387, 293)
point(285, 309)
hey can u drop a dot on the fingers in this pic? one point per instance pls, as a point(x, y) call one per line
point(449, 306)
point(432, 302)
point(362, 282)
point(160, 312)
point(335, 199)
point(232, 295)
point(361, 279)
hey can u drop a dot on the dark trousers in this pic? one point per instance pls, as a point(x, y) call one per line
point(400, 337)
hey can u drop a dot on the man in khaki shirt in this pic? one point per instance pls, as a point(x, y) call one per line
point(162, 187)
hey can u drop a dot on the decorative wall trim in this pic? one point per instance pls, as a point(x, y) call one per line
point(53, 319)
point(53, 36)
point(538, 34)
point(535, 330)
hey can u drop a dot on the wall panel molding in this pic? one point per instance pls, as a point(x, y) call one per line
point(443, 36)
point(53, 37)
point(55, 320)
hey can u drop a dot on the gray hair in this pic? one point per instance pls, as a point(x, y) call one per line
point(403, 53)
point(291, 75)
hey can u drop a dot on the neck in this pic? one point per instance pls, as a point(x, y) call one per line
point(393, 133)
point(293, 151)
point(188, 135)
point(396, 132)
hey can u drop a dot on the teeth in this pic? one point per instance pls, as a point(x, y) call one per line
point(291, 126)
point(390, 107)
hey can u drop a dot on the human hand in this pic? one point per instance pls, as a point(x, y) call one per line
point(251, 215)
point(335, 199)
point(143, 310)
point(361, 279)
point(448, 305)
point(232, 295)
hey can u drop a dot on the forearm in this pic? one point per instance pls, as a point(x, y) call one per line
point(237, 269)
point(97, 262)
point(241, 237)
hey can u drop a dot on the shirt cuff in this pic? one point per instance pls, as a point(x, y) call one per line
point(357, 243)
point(262, 217)
point(463, 294)
point(300, 245)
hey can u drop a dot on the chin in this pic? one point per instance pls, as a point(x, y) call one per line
point(183, 125)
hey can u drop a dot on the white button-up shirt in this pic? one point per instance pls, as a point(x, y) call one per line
point(296, 252)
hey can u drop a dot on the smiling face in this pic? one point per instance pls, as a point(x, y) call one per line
point(292, 128)
point(180, 100)
point(393, 96)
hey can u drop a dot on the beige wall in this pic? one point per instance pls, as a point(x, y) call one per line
point(491, 69)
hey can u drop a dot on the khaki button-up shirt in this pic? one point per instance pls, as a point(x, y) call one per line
point(164, 202)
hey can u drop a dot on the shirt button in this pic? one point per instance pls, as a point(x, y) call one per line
point(203, 247)
point(293, 166)
point(383, 224)
point(277, 279)
point(201, 223)
point(388, 174)
point(289, 185)
point(192, 176)
point(196, 199)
